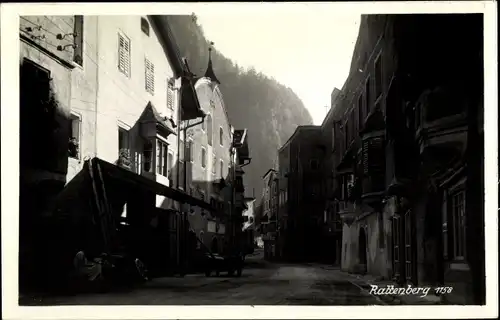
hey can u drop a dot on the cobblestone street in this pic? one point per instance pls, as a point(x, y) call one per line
point(270, 285)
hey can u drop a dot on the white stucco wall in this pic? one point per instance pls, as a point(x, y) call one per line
point(122, 99)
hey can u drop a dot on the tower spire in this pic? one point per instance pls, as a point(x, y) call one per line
point(210, 71)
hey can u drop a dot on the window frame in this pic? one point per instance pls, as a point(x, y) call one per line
point(78, 39)
point(221, 166)
point(455, 254)
point(209, 130)
point(76, 117)
point(203, 160)
point(145, 23)
point(368, 96)
point(170, 163)
point(149, 76)
point(170, 94)
point(221, 136)
point(379, 78)
point(162, 164)
point(127, 69)
point(214, 164)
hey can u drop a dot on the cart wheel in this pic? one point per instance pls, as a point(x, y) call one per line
point(238, 273)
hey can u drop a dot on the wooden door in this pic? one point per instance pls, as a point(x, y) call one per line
point(409, 250)
point(396, 247)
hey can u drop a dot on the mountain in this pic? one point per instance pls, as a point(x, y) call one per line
point(269, 110)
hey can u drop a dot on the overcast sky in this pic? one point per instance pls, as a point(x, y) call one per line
point(309, 52)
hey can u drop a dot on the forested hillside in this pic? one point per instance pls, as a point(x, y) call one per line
point(270, 110)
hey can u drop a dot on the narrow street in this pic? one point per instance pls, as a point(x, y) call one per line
point(261, 284)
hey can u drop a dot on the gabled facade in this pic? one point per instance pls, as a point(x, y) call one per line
point(208, 163)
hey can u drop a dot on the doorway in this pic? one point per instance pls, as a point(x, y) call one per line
point(362, 250)
point(214, 247)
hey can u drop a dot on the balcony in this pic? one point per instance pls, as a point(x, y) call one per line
point(373, 188)
point(373, 166)
point(441, 127)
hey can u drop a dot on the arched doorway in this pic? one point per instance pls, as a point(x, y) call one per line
point(214, 247)
point(362, 249)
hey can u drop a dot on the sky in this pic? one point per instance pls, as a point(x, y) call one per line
point(309, 52)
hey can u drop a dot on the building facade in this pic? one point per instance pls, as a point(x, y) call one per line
point(116, 88)
point(302, 208)
point(404, 140)
point(208, 163)
point(53, 82)
point(332, 224)
point(270, 205)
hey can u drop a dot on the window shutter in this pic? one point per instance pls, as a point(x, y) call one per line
point(376, 153)
point(170, 95)
point(150, 76)
point(124, 54)
point(366, 162)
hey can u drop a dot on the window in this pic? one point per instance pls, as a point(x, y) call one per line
point(189, 151)
point(74, 139)
point(378, 77)
point(209, 129)
point(78, 40)
point(123, 139)
point(361, 116)
point(124, 158)
point(203, 158)
point(204, 125)
point(149, 76)
point(138, 162)
point(221, 136)
point(352, 126)
point(367, 97)
point(161, 157)
point(170, 94)
point(170, 163)
point(346, 134)
point(145, 26)
point(333, 137)
point(458, 220)
point(314, 164)
point(214, 164)
point(124, 54)
point(182, 149)
point(221, 163)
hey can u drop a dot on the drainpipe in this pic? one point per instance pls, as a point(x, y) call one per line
point(97, 86)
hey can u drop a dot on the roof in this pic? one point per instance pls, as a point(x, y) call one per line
point(191, 108)
point(151, 114)
point(210, 70)
point(267, 173)
point(296, 132)
point(240, 141)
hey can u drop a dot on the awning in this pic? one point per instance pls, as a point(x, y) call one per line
point(112, 171)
